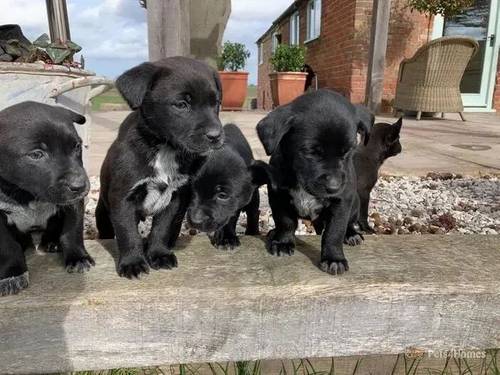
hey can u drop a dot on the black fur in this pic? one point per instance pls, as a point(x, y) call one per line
point(384, 143)
point(160, 144)
point(311, 142)
point(42, 188)
point(225, 185)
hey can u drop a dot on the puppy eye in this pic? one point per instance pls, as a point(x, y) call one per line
point(222, 196)
point(181, 105)
point(78, 148)
point(37, 154)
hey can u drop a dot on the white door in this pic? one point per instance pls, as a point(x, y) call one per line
point(480, 22)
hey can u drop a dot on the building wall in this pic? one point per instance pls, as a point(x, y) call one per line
point(340, 55)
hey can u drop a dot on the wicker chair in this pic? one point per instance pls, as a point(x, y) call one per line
point(430, 80)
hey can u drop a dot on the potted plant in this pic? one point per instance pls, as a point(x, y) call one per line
point(234, 82)
point(287, 81)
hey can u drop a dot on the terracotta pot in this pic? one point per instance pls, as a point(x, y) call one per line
point(286, 86)
point(234, 90)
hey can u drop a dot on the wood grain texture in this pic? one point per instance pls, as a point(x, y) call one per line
point(431, 293)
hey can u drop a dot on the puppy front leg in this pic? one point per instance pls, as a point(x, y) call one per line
point(281, 240)
point(164, 232)
point(225, 238)
point(75, 256)
point(13, 269)
point(333, 259)
point(364, 199)
point(132, 261)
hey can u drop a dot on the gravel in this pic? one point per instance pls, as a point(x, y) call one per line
point(435, 204)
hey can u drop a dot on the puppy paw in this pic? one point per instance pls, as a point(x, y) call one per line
point(49, 248)
point(162, 259)
point(354, 240)
point(224, 242)
point(79, 264)
point(133, 266)
point(13, 285)
point(334, 267)
point(279, 247)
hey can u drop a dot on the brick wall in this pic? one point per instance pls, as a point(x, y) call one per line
point(340, 55)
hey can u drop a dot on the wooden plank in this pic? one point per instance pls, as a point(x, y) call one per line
point(425, 292)
point(378, 49)
point(168, 28)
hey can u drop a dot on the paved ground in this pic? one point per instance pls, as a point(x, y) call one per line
point(449, 145)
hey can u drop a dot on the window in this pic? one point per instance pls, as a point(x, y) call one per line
point(294, 29)
point(276, 40)
point(313, 19)
point(261, 53)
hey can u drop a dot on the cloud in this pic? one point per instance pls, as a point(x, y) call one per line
point(113, 33)
point(249, 20)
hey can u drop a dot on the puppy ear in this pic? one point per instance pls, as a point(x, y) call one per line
point(366, 119)
point(394, 131)
point(261, 174)
point(135, 82)
point(273, 127)
point(70, 115)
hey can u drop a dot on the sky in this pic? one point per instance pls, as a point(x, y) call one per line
point(113, 33)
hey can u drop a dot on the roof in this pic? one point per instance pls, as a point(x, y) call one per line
point(292, 8)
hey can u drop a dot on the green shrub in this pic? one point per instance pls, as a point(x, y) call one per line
point(288, 58)
point(446, 8)
point(234, 57)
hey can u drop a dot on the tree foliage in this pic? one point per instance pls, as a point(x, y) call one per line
point(446, 8)
point(234, 57)
point(288, 58)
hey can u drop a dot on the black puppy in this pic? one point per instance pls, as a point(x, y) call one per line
point(311, 142)
point(226, 184)
point(42, 189)
point(383, 144)
point(160, 145)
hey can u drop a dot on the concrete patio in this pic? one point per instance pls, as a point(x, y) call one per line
point(439, 145)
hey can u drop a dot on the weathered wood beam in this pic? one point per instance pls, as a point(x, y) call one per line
point(425, 292)
point(168, 28)
point(378, 47)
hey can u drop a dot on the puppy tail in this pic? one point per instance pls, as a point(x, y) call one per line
point(103, 222)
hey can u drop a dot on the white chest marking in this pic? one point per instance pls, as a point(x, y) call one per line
point(33, 216)
point(165, 180)
point(306, 204)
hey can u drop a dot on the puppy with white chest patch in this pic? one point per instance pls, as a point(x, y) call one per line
point(173, 126)
point(227, 184)
point(42, 190)
point(311, 142)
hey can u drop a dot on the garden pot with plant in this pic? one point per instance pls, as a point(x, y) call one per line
point(287, 81)
point(234, 82)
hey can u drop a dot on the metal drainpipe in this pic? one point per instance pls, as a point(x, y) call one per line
point(57, 14)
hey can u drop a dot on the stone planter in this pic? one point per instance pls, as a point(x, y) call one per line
point(234, 90)
point(286, 86)
point(52, 84)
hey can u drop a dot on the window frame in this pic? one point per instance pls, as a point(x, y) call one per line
point(313, 30)
point(294, 39)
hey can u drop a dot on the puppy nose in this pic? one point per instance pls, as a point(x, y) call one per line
point(214, 135)
point(77, 185)
point(197, 217)
point(334, 184)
